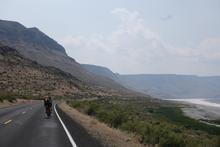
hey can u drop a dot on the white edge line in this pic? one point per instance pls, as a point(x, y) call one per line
point(7, 122)
point(65, 129)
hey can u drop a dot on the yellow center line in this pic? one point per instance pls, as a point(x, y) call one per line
point(7, 122)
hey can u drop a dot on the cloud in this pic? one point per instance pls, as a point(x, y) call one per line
point(134, 48)
point(208, 49)
point(167, 17)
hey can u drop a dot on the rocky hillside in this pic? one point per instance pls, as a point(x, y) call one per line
point(37, 46)
point(25, 77)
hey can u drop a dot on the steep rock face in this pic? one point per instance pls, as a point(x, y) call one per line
point(33, 44)
point(37, 46)
point(20, 37)
point(7, 50)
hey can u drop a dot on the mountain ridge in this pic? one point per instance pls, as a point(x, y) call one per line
point(165, 85)
point(10, 30)
point(37, 46)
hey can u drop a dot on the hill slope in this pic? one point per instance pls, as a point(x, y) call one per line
point(100, 70)
point(37, 46)
point(28, 78)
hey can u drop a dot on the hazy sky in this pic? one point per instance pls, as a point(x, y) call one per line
point(129, 36)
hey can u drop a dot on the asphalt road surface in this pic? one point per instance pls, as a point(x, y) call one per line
point(26, 125)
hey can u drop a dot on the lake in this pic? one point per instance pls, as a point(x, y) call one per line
point(201, 108)
point(200, 101)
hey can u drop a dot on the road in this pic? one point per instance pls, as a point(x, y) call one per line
point(26, 125)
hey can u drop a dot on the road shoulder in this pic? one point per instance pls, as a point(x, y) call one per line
point(106, 135)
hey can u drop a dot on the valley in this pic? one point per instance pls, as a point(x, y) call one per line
point(134, 107)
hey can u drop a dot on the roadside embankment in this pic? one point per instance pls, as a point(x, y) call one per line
point(109, 137)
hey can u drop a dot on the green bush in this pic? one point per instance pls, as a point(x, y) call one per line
point(163, 126)
point(76, 104)
point(9, 97)
point(117, 118)
point(218, 142)
point(129, 126)
point(172, 140)
point(103, 116)
point(91, 110)
point(1, 99)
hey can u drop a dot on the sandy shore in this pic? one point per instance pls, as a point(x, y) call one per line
point(200, 108)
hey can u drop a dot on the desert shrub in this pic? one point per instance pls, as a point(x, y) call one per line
point(103, 116)
point(171, 140)
point(91, 110)
point(153, 125)
point(28, 96)
point(218, 142)
point(75, 104)
point(8, 96)
point(113, 118)
point(129, 126)
point(117, 118)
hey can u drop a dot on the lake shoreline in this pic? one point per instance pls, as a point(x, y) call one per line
point(200, 109)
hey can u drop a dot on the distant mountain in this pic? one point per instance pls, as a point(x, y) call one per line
point(174, 86)
point(165, 86)
point(28, 78)
point(37, 46)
